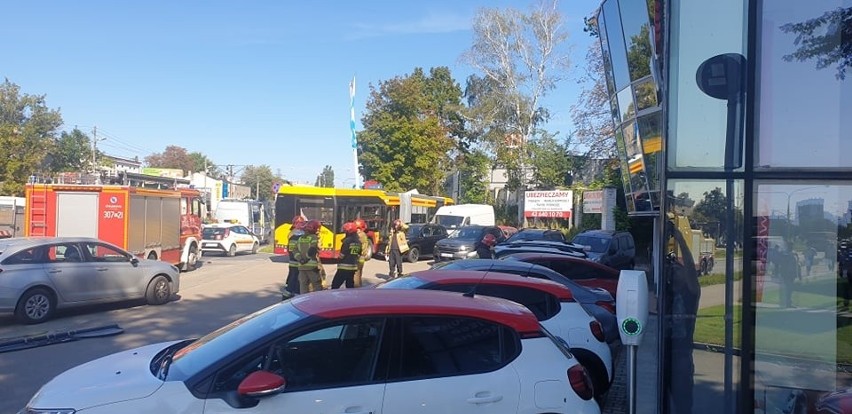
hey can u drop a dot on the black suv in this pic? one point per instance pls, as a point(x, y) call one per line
point(460, 243)
point(615, 249)
point(421, 240)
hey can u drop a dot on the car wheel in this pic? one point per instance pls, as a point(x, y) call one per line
point(413, 254)
point(159, 291)
point(232, 251)
point(35, 306)
point(254, 248)
point(596, 369)
point(192, 258)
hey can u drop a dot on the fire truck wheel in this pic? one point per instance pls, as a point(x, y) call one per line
point(152, 256)
point(159, 291)
point(232, 251)
point(35, 306)
point(254, 248)
point(192, 258)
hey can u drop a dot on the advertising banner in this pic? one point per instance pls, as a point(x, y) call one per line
point(548, 204)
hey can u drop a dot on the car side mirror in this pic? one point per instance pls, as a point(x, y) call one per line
point(134, 261)
point(261, 384)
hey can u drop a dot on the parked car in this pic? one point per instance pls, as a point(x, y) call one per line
point(583, 271)
point(597, 302)
point(552, 303)
point(336, 351)
point(421, 241)
point(460, 243)
point(615, 249)
point(520, 246)
point(537, 234)
point(508, 231)
point(40, 275)
point(228, 239)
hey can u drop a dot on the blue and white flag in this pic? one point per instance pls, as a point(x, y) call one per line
point(352, 112)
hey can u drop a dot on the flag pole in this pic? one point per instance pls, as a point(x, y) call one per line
point(352, 128)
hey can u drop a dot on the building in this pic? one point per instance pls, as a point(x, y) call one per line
point(751, 98)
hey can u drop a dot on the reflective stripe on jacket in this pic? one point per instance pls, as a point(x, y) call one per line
point(307, 248)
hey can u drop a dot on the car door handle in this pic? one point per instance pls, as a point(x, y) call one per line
point(484, 398)
point(102, 269)
point(54, 271)
point(356, 412)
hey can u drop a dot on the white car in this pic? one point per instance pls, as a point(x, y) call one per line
point(228, 239)
point(380, 351)
point(552, 303)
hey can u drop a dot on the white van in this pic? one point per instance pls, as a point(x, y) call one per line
point(250, 213)
point(453, 217)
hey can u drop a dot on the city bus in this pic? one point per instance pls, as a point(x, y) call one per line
point(335, 206)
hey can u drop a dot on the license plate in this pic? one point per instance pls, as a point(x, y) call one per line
point(446, 255)
point(209, 245)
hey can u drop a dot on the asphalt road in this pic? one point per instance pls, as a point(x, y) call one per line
point(220, 291)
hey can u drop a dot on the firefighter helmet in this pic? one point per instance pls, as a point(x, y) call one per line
point(298, 219)
point(350, 227)
point(312, 226)
point(489, 240)
point(360, 224)
point(299, 225)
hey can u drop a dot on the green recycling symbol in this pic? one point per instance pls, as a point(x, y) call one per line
point(631, 326)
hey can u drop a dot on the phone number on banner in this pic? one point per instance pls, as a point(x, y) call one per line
point(559, 214)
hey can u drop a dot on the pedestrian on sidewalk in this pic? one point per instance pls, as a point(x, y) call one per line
point(350, 254)
point(787, 270)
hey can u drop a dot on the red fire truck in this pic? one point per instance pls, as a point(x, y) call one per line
point(150, 223)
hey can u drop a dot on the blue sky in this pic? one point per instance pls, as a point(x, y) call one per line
point(246, 83)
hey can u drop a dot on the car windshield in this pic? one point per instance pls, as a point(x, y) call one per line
point(413, 231)
point(405, 282)
point(467, 233)
point(222, 342)
point(597, 244)
point(449, 221)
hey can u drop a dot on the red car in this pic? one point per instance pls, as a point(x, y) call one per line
point(583, 271)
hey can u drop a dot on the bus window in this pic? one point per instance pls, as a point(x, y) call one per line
point(321, 209)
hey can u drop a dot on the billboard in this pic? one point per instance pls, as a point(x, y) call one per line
point(548, 204)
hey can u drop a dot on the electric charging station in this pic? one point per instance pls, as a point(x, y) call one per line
point(631, 308)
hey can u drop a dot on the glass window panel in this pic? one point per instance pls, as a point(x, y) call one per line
point(695, 314)
point(646, 94)
point(637, 37)
point(610, 84)
point(615, 39)
point(650, 130)
point(625, 103)
point(622, 159)
point(697, 122)
point(805, 93)
point(616, 114)
point(803, 337)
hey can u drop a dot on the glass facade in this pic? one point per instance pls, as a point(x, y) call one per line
point(753, 288)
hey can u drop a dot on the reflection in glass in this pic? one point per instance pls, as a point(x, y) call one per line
point(626, 105)
point(650, 131)
point(805, 41)
point(607, 60)
point(622, 160)
point(637, 37)
point(631, 140)
point(615, 39)
point(616, 115)
point(646, 94)
point(695, 246)
point(803, 340)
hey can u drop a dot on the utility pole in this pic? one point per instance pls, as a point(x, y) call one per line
point(94, 146)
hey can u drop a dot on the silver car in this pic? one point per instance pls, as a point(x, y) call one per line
point(39, 275)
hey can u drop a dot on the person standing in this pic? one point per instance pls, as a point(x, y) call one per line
point(366, 251)
point(397, 246)
point(484, 248)
point(787, 267)
point(350, 255)
point(291, 286)
point(310, 267)
point(844, 261)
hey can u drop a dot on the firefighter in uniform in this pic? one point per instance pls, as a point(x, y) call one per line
point(291, 286)
point(310, 268)
point(365, 250)
point(350, 255)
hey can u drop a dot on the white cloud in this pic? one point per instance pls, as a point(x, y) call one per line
point(428, 24)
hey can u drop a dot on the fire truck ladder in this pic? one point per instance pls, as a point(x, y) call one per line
point(38, 210)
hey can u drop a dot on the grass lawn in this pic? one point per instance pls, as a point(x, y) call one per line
point(717, 279)
point(266, 248)
point(811, 331)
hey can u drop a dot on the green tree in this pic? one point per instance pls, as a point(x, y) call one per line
point(473, 177)
point(260, 178)
point(325, 178)
point(592, 115)
point(826, 39)
point(201, 163)
point(72, 151)
point(550, 161)
point(522, 56)
point(172, 157)
point(407, 138)
point(27, 129)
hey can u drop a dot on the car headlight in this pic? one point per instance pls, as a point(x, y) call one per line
point(29, 410)
point(463, 248)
